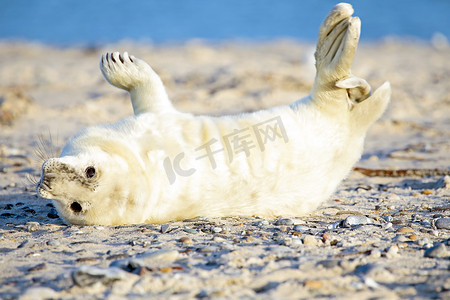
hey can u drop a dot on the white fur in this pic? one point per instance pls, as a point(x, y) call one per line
point(291, 175)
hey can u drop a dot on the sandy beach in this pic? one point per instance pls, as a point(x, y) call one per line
point(385, 233)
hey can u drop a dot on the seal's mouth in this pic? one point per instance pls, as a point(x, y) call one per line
point(43, 189)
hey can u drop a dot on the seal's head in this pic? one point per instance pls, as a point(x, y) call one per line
point(92, 182)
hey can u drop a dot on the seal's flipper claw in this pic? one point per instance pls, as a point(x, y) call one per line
point(340, 12)
point(138, 78)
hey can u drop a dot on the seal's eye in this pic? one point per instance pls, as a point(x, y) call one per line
point(90, 172)
point(75, 207)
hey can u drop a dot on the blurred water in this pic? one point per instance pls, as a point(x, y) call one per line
point(90, 22)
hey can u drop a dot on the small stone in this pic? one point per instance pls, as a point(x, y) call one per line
point(310, 240)
point(165, 228)
point(38, 293)
point(333, 226)
point(437, 251)
point(371, 283)
point(89, 275)
point(296, 242)
point(287, 241)
point(284, 221)
point(37, 267)
point(283, 228)
point(53, 243)
point(133, 243)
point(393, 197)
point(444, 182)
point(443, 223)
point(216, 229)
point(405, 230)
point(209, 249)
point(401, 238)
point(375, 253)
point(427, 192)
point(313, 284)
point(413, 237)
point(166, 255)
point(388, 218)
point(166, 270)
point(189, 230)
point(392, 251)
point(425, 223)
point(387, 225)
point(329, 263)
point(434, 232)
point(354, 220)
point(262, 223)
point(402, 245)
point(185, 240)
point(326, 237)
point(32, 226)
point(300, 228)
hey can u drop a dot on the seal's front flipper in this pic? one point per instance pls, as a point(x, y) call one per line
point(138, 78)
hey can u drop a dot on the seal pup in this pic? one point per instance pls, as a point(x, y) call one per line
point(162, 164)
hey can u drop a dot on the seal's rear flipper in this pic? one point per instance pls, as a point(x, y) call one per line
point(138, 78)
point(336, 47)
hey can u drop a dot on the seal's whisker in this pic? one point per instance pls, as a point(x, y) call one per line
point(45, 148)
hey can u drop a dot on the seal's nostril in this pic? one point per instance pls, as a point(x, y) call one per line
point(76, 207)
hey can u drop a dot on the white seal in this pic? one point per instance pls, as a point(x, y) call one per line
point(162, 164)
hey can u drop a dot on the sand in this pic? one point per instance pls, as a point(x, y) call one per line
point(394, 244)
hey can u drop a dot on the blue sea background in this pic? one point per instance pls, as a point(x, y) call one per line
point(93, 22)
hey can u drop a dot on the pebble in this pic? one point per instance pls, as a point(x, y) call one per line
point(89, 275)
point(392, 251)
point(262, 223)
point(284, 221)
point(185, 240)
point(375, 253)
point(189, 230)
point(32, 226)
point(209, 249)
point(443, 223)
point(393, 197)
point(354, 220)
point(329, 263)
point(437, 251)
point(34, 293)
point(313, 284)
point(413, 237)
point(387, 225)
point(444, 182)
point(216, 229)
point(310, 240)
point(333, 226)
point(301, 228)
point(166, 255)
point(388, 218)
point(164, 228)
point(53, 243)
point(405, 230)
